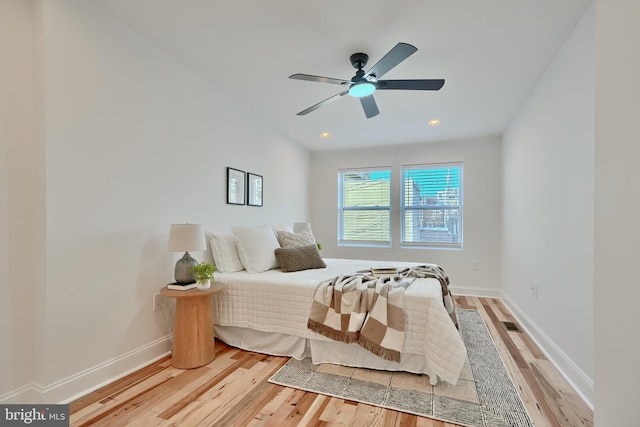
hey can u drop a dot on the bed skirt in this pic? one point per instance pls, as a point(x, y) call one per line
point(320, 350)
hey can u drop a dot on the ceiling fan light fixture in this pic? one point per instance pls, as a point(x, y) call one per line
point(362, 89)
point(363, 84)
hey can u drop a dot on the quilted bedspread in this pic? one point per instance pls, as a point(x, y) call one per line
point(274, 301)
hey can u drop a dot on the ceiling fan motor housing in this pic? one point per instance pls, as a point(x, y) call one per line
point(359, 60)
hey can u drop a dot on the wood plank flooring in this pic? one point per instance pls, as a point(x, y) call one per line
point(233, 391)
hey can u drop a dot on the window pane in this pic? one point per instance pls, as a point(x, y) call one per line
point(432, 226)
point(365, 205)
point(432, 205)
point(366, 225)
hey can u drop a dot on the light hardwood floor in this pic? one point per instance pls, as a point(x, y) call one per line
point(233, 391)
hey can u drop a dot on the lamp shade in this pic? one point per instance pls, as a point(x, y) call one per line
point(187, 237)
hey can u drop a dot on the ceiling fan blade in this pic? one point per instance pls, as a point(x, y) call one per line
point(369, 106)
point(433, 84)
point(320, 79)
point(399, 53)
point(322, 103)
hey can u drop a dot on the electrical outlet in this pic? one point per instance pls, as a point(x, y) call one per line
point(533, 287)
point(157, 301)
point(475, 265)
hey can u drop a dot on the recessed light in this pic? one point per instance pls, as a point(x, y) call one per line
point(325, 135)
point(434, 122)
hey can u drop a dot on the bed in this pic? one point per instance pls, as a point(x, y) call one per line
point(268, 312)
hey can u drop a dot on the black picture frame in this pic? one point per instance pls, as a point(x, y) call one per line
point(254, 189)
point(236, 187)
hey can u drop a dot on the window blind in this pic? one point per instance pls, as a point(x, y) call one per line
point(432, 205)
point(365, 206)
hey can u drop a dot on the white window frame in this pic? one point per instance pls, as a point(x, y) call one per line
point(457, 225)
point(342, 241)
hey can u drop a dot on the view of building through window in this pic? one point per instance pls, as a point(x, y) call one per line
point(432, 205)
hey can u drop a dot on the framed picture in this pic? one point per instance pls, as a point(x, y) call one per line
point(235, 186)
point(254, 189)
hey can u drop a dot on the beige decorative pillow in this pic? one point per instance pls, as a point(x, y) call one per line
point(290, 240)
point(299, 258)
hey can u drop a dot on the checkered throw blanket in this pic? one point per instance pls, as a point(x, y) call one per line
point(435, 272)
point(369, 310)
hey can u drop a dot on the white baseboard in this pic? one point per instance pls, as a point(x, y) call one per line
point(581, 382)
point(22, 395)
point(81, 383)
point(84, 382)
point(476, 292)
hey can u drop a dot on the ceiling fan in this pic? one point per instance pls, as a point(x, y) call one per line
point(363, 85)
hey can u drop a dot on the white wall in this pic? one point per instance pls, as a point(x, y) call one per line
point(617, 213)
point(482, 186)
point(132, 141)
point(17, 178)
point(133, 118)
point(548, 158)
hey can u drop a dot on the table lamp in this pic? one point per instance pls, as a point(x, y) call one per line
point(185, 238)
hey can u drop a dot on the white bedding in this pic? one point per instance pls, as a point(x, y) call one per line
point(277, 302)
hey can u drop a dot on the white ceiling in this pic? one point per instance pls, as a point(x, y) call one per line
point(490, 53)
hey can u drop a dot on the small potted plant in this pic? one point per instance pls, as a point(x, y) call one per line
point(203, 273)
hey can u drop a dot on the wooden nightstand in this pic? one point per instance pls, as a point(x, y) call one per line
point(193, 339)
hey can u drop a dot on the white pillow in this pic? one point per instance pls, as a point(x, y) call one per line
point(225, 252)
point(207, 256)
point(256, 246)
point(281, 227)
point(301, 226)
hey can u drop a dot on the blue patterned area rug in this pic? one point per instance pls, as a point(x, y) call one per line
point(483, 397)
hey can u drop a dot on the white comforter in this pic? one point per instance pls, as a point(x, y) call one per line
point(274, 301)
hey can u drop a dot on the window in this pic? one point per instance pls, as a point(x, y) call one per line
point(432, 205)
point(364, 205)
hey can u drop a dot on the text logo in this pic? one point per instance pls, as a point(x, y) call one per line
point(36, 415)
